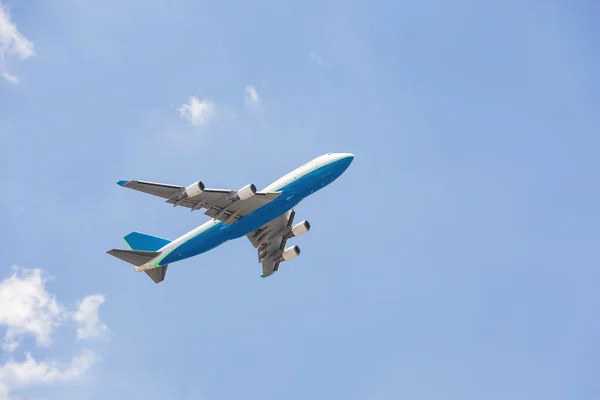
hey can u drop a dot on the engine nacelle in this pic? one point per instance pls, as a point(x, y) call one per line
point(300, 228)
point(244, 193)
point(194, 189)
point(290, 253)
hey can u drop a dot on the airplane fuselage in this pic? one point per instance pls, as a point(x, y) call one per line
point(294, 187)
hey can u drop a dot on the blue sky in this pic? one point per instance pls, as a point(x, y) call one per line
point(456, 258)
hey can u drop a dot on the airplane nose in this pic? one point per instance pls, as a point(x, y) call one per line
point(345, 159)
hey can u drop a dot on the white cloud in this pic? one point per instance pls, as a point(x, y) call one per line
point(317, 59)
point(12, 43)
point(9, 77)
point(17, 375)
point(27, 308)
point(87, 316)
point(251, 97)
point(197, 112)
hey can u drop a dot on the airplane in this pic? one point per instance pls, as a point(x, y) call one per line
point(266, 217)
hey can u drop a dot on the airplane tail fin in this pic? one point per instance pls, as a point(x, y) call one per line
point(143, 249)
point(142, 241)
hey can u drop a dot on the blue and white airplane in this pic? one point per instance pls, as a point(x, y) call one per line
point(265, 217)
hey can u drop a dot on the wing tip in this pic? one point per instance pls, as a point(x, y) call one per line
point(122, 183)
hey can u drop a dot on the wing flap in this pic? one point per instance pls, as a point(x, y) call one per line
point(207, 198)
point(226, 211)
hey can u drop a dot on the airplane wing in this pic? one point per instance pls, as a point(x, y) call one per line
point(270, 239)
point(223, 204)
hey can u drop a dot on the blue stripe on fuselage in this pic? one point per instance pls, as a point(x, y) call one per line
point(291, 195)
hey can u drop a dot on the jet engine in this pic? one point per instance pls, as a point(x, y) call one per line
point(300, 228)
point(194, 189)
point(244, 193)
point(290, 253)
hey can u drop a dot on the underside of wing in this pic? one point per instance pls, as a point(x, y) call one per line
point(230, 210)
point(271, 238)
point(153, 188)
point(271, 230)
point(223, 204)
point(269, 267)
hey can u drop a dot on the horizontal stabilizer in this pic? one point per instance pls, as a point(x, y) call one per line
point(157, 274)
point(142, 241)
point(135, 257)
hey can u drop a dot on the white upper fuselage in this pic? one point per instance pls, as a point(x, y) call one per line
point(310, 166)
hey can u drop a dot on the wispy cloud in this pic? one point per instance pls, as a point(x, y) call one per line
point(317, 59)
point(12, 43)
point(87, 317)
point(9, 77)
point(197, 112)
point(251, 96)
point(18, 375)
point(27, 308)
